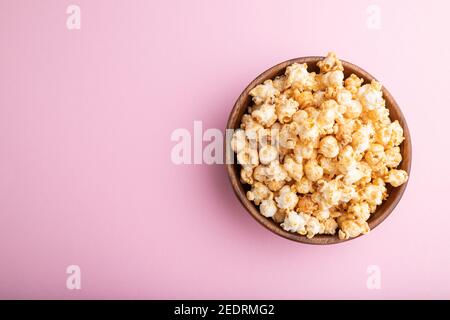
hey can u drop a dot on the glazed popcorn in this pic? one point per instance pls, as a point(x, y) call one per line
point(318, 150)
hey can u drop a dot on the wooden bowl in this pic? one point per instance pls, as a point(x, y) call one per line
point(240, 189)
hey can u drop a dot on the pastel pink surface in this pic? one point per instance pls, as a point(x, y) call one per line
point(86, 176)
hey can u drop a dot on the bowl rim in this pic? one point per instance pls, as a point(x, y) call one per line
point(238, 187)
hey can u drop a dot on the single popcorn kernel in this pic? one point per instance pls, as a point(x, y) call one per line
point(248, 156)
point(285, 109)
point(313, 227)
point(294, 222)
point(305, 99)
point(312, 170)
point(329, 147)
point(318, 150)
point(265, 114)
point(287, 199)
point(293, 168)
point(267, 154)
point(375, 154)
point(353, 83)
point(264, 92)
point(397, 177)
point(247, 175)
point(306, 205)
point(393, 157)
point(258, 193)
point(351, 226)
point(330, 63)
point(353, 110)
point(330, 225)
point(304, 186)
point(288, 135)
point(298, 76)
point(268, 208)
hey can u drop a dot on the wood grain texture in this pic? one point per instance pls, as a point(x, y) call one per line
point(240, 108)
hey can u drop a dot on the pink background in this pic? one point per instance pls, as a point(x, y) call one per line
point(85, 171)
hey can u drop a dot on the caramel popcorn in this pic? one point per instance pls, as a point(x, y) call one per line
point(318, 150)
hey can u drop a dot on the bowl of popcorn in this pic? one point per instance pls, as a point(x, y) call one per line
point(319, 151)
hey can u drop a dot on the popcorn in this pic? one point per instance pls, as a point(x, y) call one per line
point(267, 137)
point(265, 114)
point(294, 169)
point(360, 210)
point(371, 96)
point(332, 79)
point(298, 75)
point(327, 115)
point(305, 99)
point(329, 147)
point(397, 177)
point(353, 110)
point(287, 199)
point(373, 194)
point(393, 157)
point(361, 138)
point(275, 185)
point(322, 214)
point(346, 159)
point(351, 226)
point(251, 127)
point(308, 130)
point(319, 98)
point(247, 175)
point(328, 165)
point(307, 205)
point(330, 63)
point(344, 97)
point(285, 109)
point(378, 115)
point(258, 193)
point(317, 150)
point(279, 83)
point(313, 227)
point(366, 170)
point(397, 134)
point(330, 193)
point(238, 141)
point(304, 186)
point(264, 92)
point(300, 116)
point(288, 135)
point(383, 135)
point(345, 128)
point(275, 172)
point(248, 157)
point(353, 174)
point(304, 151)
point(329, 226)
point(294, 222)
point(348, 193)
point(259, 173)
point(353, 83)
point(268, 154)
point(268, 208)
point(375, 154)
point(312, 170)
